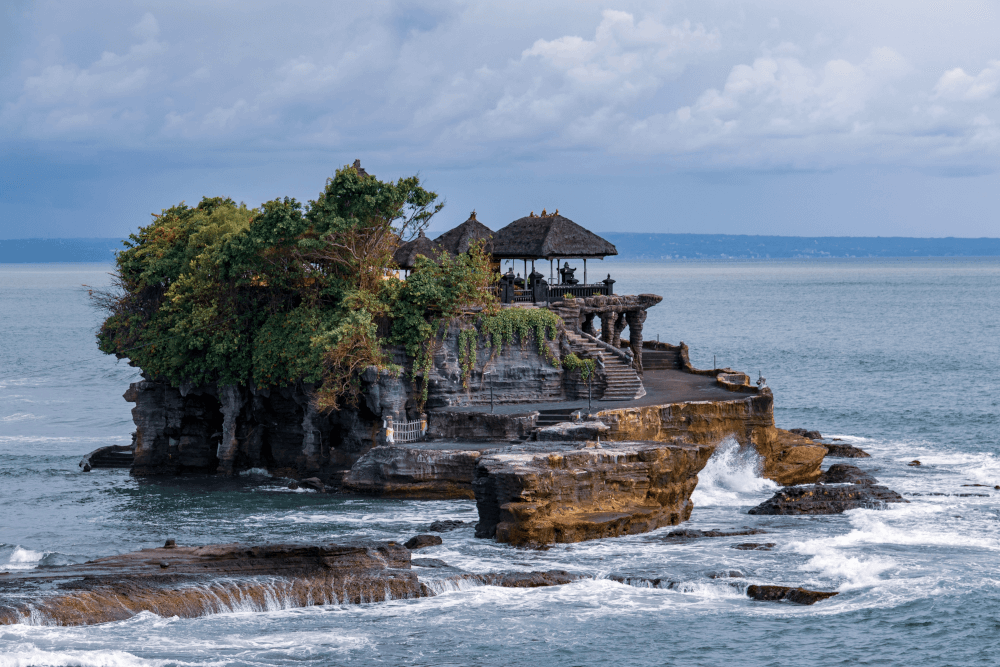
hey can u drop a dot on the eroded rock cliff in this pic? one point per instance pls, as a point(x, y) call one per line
point(571, 492)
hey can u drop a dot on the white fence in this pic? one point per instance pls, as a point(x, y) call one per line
point(397, 432)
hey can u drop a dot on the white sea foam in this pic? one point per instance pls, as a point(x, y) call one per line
point(732, 477)
point(17, 557)
point(19, 417)
point(32, 657)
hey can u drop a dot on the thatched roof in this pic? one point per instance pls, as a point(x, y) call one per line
point(457, 240)
point(406, 254)
point(548, 237)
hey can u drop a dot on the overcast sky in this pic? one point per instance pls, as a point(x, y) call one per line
point(772, 117)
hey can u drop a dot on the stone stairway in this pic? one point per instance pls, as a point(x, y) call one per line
point(660, 360)
point(552, 417)
point(623, 382)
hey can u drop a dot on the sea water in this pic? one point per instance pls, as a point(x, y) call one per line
point(898, 357)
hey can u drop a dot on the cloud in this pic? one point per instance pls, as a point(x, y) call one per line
point(690, 85)
point(956, 85)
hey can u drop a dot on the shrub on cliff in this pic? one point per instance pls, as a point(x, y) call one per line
point(267, 296)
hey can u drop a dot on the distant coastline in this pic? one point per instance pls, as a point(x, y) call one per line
point(635, 247)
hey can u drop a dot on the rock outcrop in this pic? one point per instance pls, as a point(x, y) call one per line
point(569, 493)
point(839, 450)
point(195, 581)
point(788, 458)
point(414, 471)
point(787, 594)
point(823, 499)
point(841, 473)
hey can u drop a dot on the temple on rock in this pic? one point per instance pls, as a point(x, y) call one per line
point(502, 394)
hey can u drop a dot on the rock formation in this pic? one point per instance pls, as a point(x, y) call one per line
point(195, 581)
point(788, 458)
point(787, 594)
point(822, 499)
point(570, 493)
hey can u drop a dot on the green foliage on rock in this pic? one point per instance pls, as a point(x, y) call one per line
point(267, 296)
point(587, 367)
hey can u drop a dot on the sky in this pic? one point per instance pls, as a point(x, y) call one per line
point(839, 118)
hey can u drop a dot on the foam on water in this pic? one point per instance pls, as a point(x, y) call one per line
point(732, 477)
point(16, 557)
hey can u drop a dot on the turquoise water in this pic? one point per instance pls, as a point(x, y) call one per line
point(898, 357)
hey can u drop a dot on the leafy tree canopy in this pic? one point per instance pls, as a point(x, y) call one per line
point(284, 292)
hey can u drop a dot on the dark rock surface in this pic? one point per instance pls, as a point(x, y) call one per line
point(812, 435)
point(479, 426)
point(755, 546)
point(112, 456)
point(563, 492)
point(787, 594)
point(685, 534)
point(421, 541)
point(313, 483)
point(445, 526)
point(428, 562)
point(726, 574)
point(842, 473)
point(820, 499)
point(845, 451)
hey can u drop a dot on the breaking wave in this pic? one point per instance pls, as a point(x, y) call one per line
point(732, 477)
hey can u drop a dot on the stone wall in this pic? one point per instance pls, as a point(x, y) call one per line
point(518, 373)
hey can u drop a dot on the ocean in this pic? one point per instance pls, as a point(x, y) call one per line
point(898, 357)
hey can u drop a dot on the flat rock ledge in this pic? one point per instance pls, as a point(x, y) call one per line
point(825, 499)
point(572, 491)
point(196, 581)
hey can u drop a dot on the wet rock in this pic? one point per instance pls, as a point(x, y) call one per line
point(726, 574)
point(820, 499)
point(445, 526)
point(170, 544)
point(755, 546)
point(845, 451)
point(314, 483)
point(421, 541)
point(914, 463)
point(525, 579)
point(293, 486)
point(812, 435)
point(787, 594)
point(567, 493)
point(567, 431)
point(685, 534)
point(644, 582)
point(428, 562)
point(113, 456)
point(841, 473)
point(192, 581)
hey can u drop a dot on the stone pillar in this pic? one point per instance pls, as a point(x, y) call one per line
point(635, 319)
point(588, 325)
point(619, 328)
point(608, 327)
point(231, 403)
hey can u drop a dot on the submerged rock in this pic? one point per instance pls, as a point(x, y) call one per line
point(445, 526)
point(787, 594)
point(820, 499)
point(726, 574)
point(686, 534)
point(421, 541)
point(755, 546)
point(841, 473)
point(568, 493)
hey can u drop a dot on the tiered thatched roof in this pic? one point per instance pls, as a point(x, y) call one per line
point(457, 240)
point(548, 236)
point(406, 254)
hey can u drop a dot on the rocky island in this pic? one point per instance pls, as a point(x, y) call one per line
point(336, 346)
